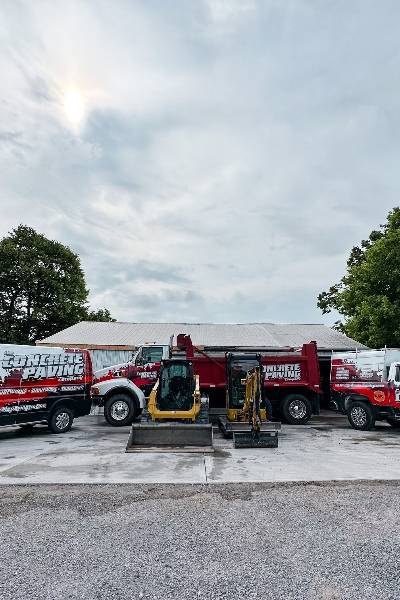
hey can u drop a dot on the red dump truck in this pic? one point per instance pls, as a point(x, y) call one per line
point(292, 379)
point(366, 386)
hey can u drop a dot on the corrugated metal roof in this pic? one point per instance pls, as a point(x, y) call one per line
point(268, 335)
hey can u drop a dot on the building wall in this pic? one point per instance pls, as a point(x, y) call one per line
point(106, 358)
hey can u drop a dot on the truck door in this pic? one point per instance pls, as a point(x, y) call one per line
point(394, 380)
point(34, 408)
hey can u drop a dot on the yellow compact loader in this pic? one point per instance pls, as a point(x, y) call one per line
point(248, 411)
point(176, 418)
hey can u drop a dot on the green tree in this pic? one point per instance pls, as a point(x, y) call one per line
point(103, 314)
point(42, 288)
point(368, 296)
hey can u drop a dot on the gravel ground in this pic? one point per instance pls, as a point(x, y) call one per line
point(289, 541)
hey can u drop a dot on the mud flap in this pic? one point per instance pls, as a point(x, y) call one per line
point(170, 437)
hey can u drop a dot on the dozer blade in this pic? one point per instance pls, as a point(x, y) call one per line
point(246, 439)
point(170, 437)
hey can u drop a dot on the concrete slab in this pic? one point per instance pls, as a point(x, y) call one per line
point(93, 452)
point(312, 454)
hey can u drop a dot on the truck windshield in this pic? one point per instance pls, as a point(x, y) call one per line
point(149, 354)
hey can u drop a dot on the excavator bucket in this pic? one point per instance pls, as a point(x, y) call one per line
point(170, 437)
point(261, 439)
point(244, 437)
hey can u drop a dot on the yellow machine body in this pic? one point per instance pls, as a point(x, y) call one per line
point(250, 412)
point(185, 415)
point(176, 420)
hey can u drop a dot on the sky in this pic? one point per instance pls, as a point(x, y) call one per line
point(209, 160)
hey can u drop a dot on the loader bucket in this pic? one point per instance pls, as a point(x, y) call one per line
point(170, 437)
point(247, 439)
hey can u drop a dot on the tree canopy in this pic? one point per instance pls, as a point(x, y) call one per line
point(368, 296)
point(42, 288)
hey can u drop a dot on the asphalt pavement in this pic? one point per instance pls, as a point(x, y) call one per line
point(247, 541)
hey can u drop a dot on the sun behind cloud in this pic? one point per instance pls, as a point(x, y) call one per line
point(74, 106)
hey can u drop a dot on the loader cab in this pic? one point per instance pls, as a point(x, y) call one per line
point(238, 366)
point(176, 385)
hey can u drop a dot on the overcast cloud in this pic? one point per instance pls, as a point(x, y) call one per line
point(210, 160)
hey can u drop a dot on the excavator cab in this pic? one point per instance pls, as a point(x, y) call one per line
point(248, 412)
point(176, 417)
point(238, 369)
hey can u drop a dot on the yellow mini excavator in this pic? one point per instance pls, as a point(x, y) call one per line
point(248, 411)
point(176, 418)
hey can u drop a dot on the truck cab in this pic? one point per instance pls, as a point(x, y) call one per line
point(366, 386)
point(122, 389)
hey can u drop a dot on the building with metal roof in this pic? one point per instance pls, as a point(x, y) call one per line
point(111, 343)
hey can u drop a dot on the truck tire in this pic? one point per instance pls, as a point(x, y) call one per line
point(120, 410)
point(296, 409)
point(61, 420)
point(395, 423)
point(361, 416)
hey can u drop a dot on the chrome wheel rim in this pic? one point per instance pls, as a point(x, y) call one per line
point(62, 420)
point(358, 416)
point(119, 410)
point(297, 409)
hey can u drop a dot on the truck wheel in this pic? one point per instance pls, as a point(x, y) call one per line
point(120, 410)
point(61, 420)
point(394, 423)
point(361, 416)
point(296, 409)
